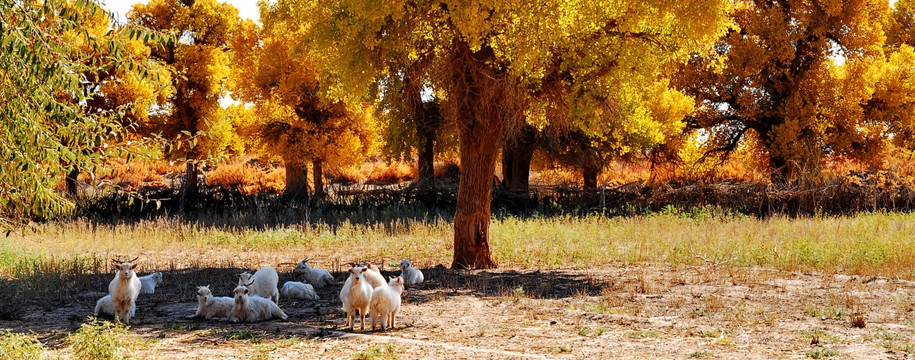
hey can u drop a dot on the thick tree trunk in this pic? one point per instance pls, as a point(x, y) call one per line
point(589, 174)
point(71, 180)
point(296, 178)
point(425, 176)
point(191, 185)
point(516, 159)
point(480, 102)
point(318, 169)
point(479, 149)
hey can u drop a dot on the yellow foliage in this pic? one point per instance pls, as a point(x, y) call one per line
point(190, 117)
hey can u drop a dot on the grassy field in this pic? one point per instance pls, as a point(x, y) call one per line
point(867, 244)
point(692, 273)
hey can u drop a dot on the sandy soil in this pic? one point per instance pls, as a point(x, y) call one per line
point(618, 312)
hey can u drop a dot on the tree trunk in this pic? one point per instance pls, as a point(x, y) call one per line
point(781, 172)
point(425, 176)
point(516, 159)
point(296, 178)
point(471, 220)
point(589, 174)
point(479, 98)
point(71, 180)
point(318, 169)
point(191, 186)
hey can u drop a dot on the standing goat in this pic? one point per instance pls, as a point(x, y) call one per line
point(299, 290)
point(210, 307)
point(124, 289)
point(263, 283)
point(372, 274)
point(316, 277)
point(386, 303)
point(253, 308)
point(356, 295)
point(149, 282)
point(410, 274)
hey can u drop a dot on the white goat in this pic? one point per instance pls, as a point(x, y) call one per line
point(386, 303)
point(253, 308)
point(410, 274)
point(356, 294)
point(263, 283)
point(124, 289)
point(316, 277)
point(373, 276)
point(299, 290)
point(149, 282)
point(210, 307)
point(105, 306)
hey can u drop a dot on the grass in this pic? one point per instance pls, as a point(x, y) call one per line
point(821, 353)
point(20, 346)
point(383, 351)
point(51, 262)
point(868, 244)
point(643, 334)
point(101, 341)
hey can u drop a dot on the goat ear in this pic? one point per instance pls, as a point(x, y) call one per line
point(132, 266)
point(117, 266)
point(350, 270)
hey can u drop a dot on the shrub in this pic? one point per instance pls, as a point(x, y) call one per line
point(20, 346)
point(101, 340)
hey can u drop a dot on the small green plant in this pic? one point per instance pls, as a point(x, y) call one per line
point(827, 313)
point(894, 345)
point(386, 351)
point(243, 335)
point(101, 340)
point(560, 349)
point(817, 336)
point(583, 331)
point(643, 334)
point(885, 334)
point(481, 331)
point(700, 354)
point(518, 293)
point(600, 331)
point(694, 313)
point(20, 346)
point(821, 353)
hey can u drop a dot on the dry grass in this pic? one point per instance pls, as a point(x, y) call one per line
point(867, 244)
point(242, 177)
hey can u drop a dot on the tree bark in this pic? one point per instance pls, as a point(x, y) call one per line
point(480, 102)
point(296, 178)
point(191, 185)
point(71, 180)
point(589, 174)
point(425, 176)
point(516, 159)
point(318, 169)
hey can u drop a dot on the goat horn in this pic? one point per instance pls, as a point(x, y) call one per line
point(115, 261)
point(134, 259)
point(249, 284)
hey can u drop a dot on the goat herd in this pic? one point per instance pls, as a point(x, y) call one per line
point(256, 297)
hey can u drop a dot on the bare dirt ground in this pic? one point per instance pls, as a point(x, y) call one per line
point(619, 312)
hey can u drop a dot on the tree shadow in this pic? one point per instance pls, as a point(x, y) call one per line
point(62, 310)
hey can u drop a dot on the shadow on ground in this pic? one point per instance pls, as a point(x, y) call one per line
point(53, 317)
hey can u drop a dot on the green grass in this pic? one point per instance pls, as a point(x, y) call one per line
point(866, 244)
point(382, 351)
point(101, 341)
point(821, 353)
point(643, 334)
point(20, 346)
